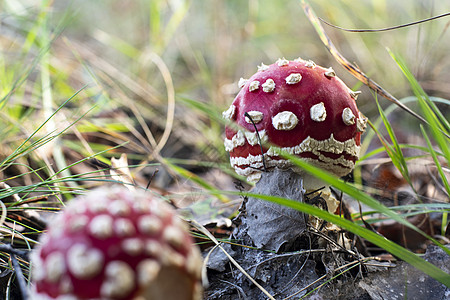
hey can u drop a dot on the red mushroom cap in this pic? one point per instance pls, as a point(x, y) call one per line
point(116, 244)
point(300, 108)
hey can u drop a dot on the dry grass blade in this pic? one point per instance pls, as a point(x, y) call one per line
point(4, 213)
point(235, 263)
point(170, 100)
point(387, 28)
point(355, 71)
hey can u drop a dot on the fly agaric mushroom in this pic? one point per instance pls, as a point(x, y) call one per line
point(116, 244)
point(300, 108)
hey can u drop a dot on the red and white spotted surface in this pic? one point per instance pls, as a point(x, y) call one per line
point(297, 107)
point(116, 244)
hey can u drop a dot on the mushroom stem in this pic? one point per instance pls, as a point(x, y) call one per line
point(274, 227)
point(316, 187)
point(268, 225)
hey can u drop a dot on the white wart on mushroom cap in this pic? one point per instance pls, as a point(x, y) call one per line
point(113, 244)
point(300, 108)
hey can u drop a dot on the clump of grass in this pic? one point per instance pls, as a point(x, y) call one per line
point(150, 80)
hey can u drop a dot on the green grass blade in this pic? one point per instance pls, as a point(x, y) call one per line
point(441, 120)
point(358, 195)
point(194, 178)
point(432, 113)
point(351, 68)
point(442, 176)
point(440, 139)
point(48, 119)
point(43, 50)
point(371, 236)
point(395, 152)
point(25, 149)
point(436, 161)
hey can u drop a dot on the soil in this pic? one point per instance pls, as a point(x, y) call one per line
point(280, 251)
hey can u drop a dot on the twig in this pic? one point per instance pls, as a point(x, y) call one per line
point(19, 275)
point(7, 248)
point(289, 284)
point(238, 288)
point(151, 179)
point(355, 71)
point(349, 265)
point(208, 234)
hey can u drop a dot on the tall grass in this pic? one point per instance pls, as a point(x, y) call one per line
point(94, 79)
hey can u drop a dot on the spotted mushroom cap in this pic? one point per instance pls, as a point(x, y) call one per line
point(116, 244)
point(299, 107)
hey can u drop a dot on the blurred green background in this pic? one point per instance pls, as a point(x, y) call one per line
point(135, 62)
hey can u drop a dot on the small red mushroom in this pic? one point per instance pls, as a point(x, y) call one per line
point(300, 108)
point(116, 244)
